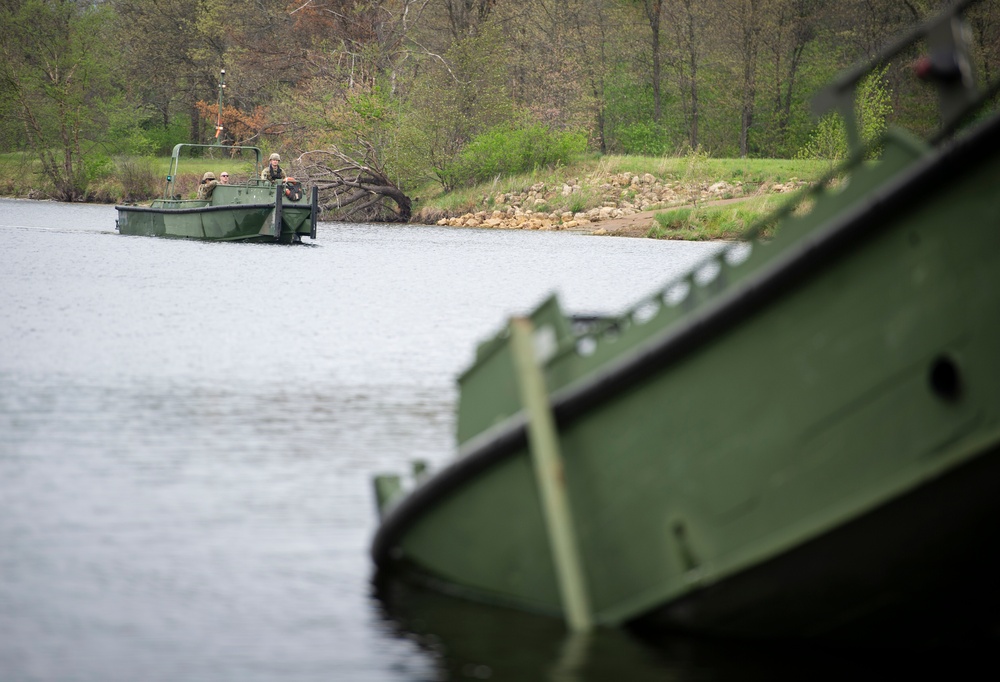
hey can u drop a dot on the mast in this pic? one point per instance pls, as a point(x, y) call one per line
point(218, 120)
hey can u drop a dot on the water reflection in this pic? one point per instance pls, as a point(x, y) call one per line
point(472, 641)
point(469, 641)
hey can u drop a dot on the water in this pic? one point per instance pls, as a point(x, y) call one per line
point(187, 436)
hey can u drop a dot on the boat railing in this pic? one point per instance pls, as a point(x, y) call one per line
point(232, 150)
point(947, 65)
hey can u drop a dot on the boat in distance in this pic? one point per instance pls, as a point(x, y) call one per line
point(254, 210)
point(799, 438)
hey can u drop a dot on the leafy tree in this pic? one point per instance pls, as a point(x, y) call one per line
point(54, 74)
point(455, 99)
point(872, 107)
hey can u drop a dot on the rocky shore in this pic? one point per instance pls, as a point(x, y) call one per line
point(623, 200)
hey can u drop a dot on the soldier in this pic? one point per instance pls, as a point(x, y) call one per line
point(207, 185)
point(272, 171)
point(224, 178)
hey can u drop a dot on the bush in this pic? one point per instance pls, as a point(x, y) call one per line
point(97, 166)
point(138, 178)
point(508, 150)
point(645, 139)
point(873, 106)
point(162, 138)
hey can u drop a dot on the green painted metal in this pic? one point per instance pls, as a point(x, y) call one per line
point(252, 211)
point(786, 394)
point(548, 466)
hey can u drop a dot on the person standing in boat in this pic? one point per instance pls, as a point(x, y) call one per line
point(207, 185)
point(224, 178)
point(272, 171)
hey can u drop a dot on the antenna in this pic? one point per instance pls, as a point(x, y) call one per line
point(218, 120)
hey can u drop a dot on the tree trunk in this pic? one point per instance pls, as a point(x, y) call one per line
point(749, 46)
point(653, 12)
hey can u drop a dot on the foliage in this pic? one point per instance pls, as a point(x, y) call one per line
point(138, 178)
point(238, 127)
point(508, 149)
point(452, 102)
point(432, 85)
point(873, 106)
point(718, 222)
point(54, 72)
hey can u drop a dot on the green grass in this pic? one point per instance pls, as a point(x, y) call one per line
point(593, 170)
point(21, 174)
point(716, 222)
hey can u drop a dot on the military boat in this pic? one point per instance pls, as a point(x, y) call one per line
point(799, 438)
point(255, 210)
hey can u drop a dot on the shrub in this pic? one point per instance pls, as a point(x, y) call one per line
point(138, 178)
point(645, 138)
point(872, 105)
point(97, 166)
point(508, 150)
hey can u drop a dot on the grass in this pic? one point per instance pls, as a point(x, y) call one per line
point(715, 222)
point(593, 170)
point(20, 175)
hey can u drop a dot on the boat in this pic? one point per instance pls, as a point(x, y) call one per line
point(799, 438)
point(255, 210)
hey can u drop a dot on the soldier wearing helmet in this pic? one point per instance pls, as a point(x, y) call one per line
point(207, 186)
point(272, 171)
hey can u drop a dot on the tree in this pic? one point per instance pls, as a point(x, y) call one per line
point(352, 186)
point(455, 98)
point(872, 107)
point(687, 22)
point(654, 11)
point(55, 75)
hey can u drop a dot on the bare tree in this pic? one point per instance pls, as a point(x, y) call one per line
point(353, 187)
point(688, 25)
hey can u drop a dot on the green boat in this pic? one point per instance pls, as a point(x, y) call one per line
point(800, 438)
point(255, 210)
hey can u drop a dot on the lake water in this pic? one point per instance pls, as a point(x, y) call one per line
point(188, 433)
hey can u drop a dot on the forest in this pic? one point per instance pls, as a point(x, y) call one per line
point(445, 92)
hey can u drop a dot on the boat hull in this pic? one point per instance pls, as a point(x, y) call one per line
point(237, 213)
point(766, 459)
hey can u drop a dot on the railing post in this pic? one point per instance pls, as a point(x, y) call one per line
point(543, 444)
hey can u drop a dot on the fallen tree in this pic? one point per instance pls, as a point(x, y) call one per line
point(354, 189)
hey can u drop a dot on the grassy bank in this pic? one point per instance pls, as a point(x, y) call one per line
point(708, 222)
point(683, 191)
point(119, 179)
point(692, 197)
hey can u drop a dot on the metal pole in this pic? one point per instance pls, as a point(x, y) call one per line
point(543, 444)
point(218, 119)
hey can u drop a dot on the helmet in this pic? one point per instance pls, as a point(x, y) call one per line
point(275, 157)
point(208, 176)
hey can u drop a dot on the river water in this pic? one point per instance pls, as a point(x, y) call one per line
point(188, 433)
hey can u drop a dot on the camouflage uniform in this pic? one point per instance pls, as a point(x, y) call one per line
point(272, 174)
point(205, 189)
